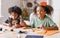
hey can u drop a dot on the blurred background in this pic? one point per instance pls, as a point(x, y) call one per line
point(27, 7)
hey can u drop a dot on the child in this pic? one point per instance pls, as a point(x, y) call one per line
point(14, 19)
point(42, 20)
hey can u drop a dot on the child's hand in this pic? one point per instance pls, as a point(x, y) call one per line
point(41, 26)
point(23, 24)
point(9, 25)
point(17, 26)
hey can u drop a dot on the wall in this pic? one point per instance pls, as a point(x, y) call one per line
point(56, 14)
point(6, 4)
point(0, 8)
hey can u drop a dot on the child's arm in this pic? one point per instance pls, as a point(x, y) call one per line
point(50, 25)
point(8, 23)
point(22, 24)
point(50, 28)
point(5, 24)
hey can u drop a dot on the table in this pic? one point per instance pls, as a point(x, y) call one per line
point(15, 34)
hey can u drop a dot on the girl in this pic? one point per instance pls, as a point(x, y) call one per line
point(42, 20)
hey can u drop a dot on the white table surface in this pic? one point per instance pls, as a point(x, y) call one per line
point(16, 35)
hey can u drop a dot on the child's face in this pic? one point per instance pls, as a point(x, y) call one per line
point(40, 12)
point(14, 15)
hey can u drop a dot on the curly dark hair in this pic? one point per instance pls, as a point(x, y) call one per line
point(47, 8)
point(50, 8)
point(15, 9)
